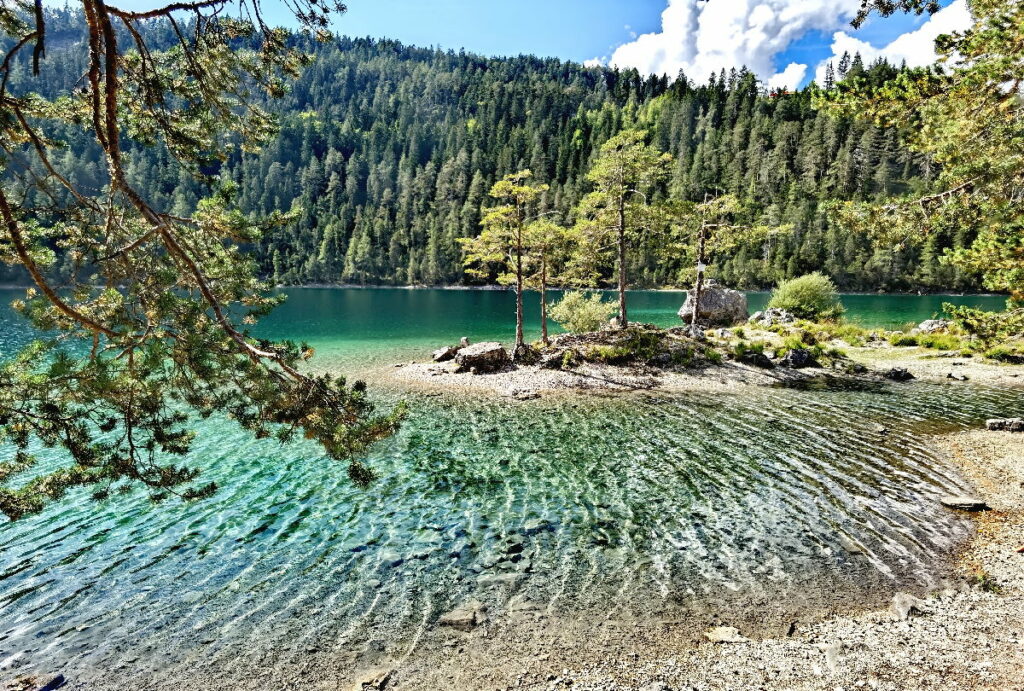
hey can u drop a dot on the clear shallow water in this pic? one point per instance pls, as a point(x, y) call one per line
point(642, 505)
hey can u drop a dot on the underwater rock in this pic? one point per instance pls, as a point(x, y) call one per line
point(391, 558)
point(465, 618)
point(537, 525)
point(499, 579)
point(717, 306)
point(482, 357)
point(1013, 424)
point(964, 503)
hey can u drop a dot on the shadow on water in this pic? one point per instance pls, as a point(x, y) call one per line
point(830, 383)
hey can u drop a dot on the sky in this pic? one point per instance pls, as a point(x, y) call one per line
point(785, 42)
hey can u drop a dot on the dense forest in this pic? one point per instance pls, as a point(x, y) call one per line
point(389, 150)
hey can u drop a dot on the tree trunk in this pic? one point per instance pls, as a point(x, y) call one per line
point(544, 302)
point(519, 295)
point(698, 288)
point(623, 320)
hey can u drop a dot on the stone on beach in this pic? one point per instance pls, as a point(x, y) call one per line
point(483, 357)
point(725, 634)
point(772, 316)
point(445, 354)
point(898, 374)
point(1013, 424)
point(934, 325)
point(903, 605)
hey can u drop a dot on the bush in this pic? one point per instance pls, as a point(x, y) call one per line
point(813, 296)
point(580, 313)
point(610, 355)
point(902, 340)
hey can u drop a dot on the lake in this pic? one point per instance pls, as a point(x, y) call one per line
point(647, 506)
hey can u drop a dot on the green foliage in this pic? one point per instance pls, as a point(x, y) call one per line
point(386, 153)
point(609, 354)
point(903, 340)
point(579, 312)
point(989, 328)
point(744, 348)
point(813, 296)
point(641, 343)
point(967, 115)
point(150, 330)
point(1013, 355)
point(618, 216)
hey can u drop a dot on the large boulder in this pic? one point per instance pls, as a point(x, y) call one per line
point(718, 306)
point(482, 357)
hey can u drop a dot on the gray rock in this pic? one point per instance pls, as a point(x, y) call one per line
point(898, 374)
point(464, 342)
point(725, 634)
point(757, 360)
point(1014, 424)
point(956, 377)
point(526, 355)
point(374, 680)
point(718, 306)
point(964, 503)
point(445, 354)
point(772, 316)
point(391, 558)
point(482, 357)
point(933, 325)
point(903, 605)
point(537, 526)
point(798, 358)
point(465, 618)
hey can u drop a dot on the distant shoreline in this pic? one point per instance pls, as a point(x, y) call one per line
point(493, 288)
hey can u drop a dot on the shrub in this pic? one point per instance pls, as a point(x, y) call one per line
point(990, 328)
point(610, 355)
point(813, 296)
point(581, 313)
point(940, 341)
point(743, 348)
point(902, 340)
point(641, 344)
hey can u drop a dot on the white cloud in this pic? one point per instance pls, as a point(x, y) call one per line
point(702, 38)
point(916, 47)
point(791, 77)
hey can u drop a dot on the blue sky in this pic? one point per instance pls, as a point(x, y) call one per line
point(800, 36)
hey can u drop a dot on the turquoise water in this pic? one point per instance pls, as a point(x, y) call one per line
point(380, 324)
point(642, 505)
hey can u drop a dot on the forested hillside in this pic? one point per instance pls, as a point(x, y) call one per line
point(389, 151)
